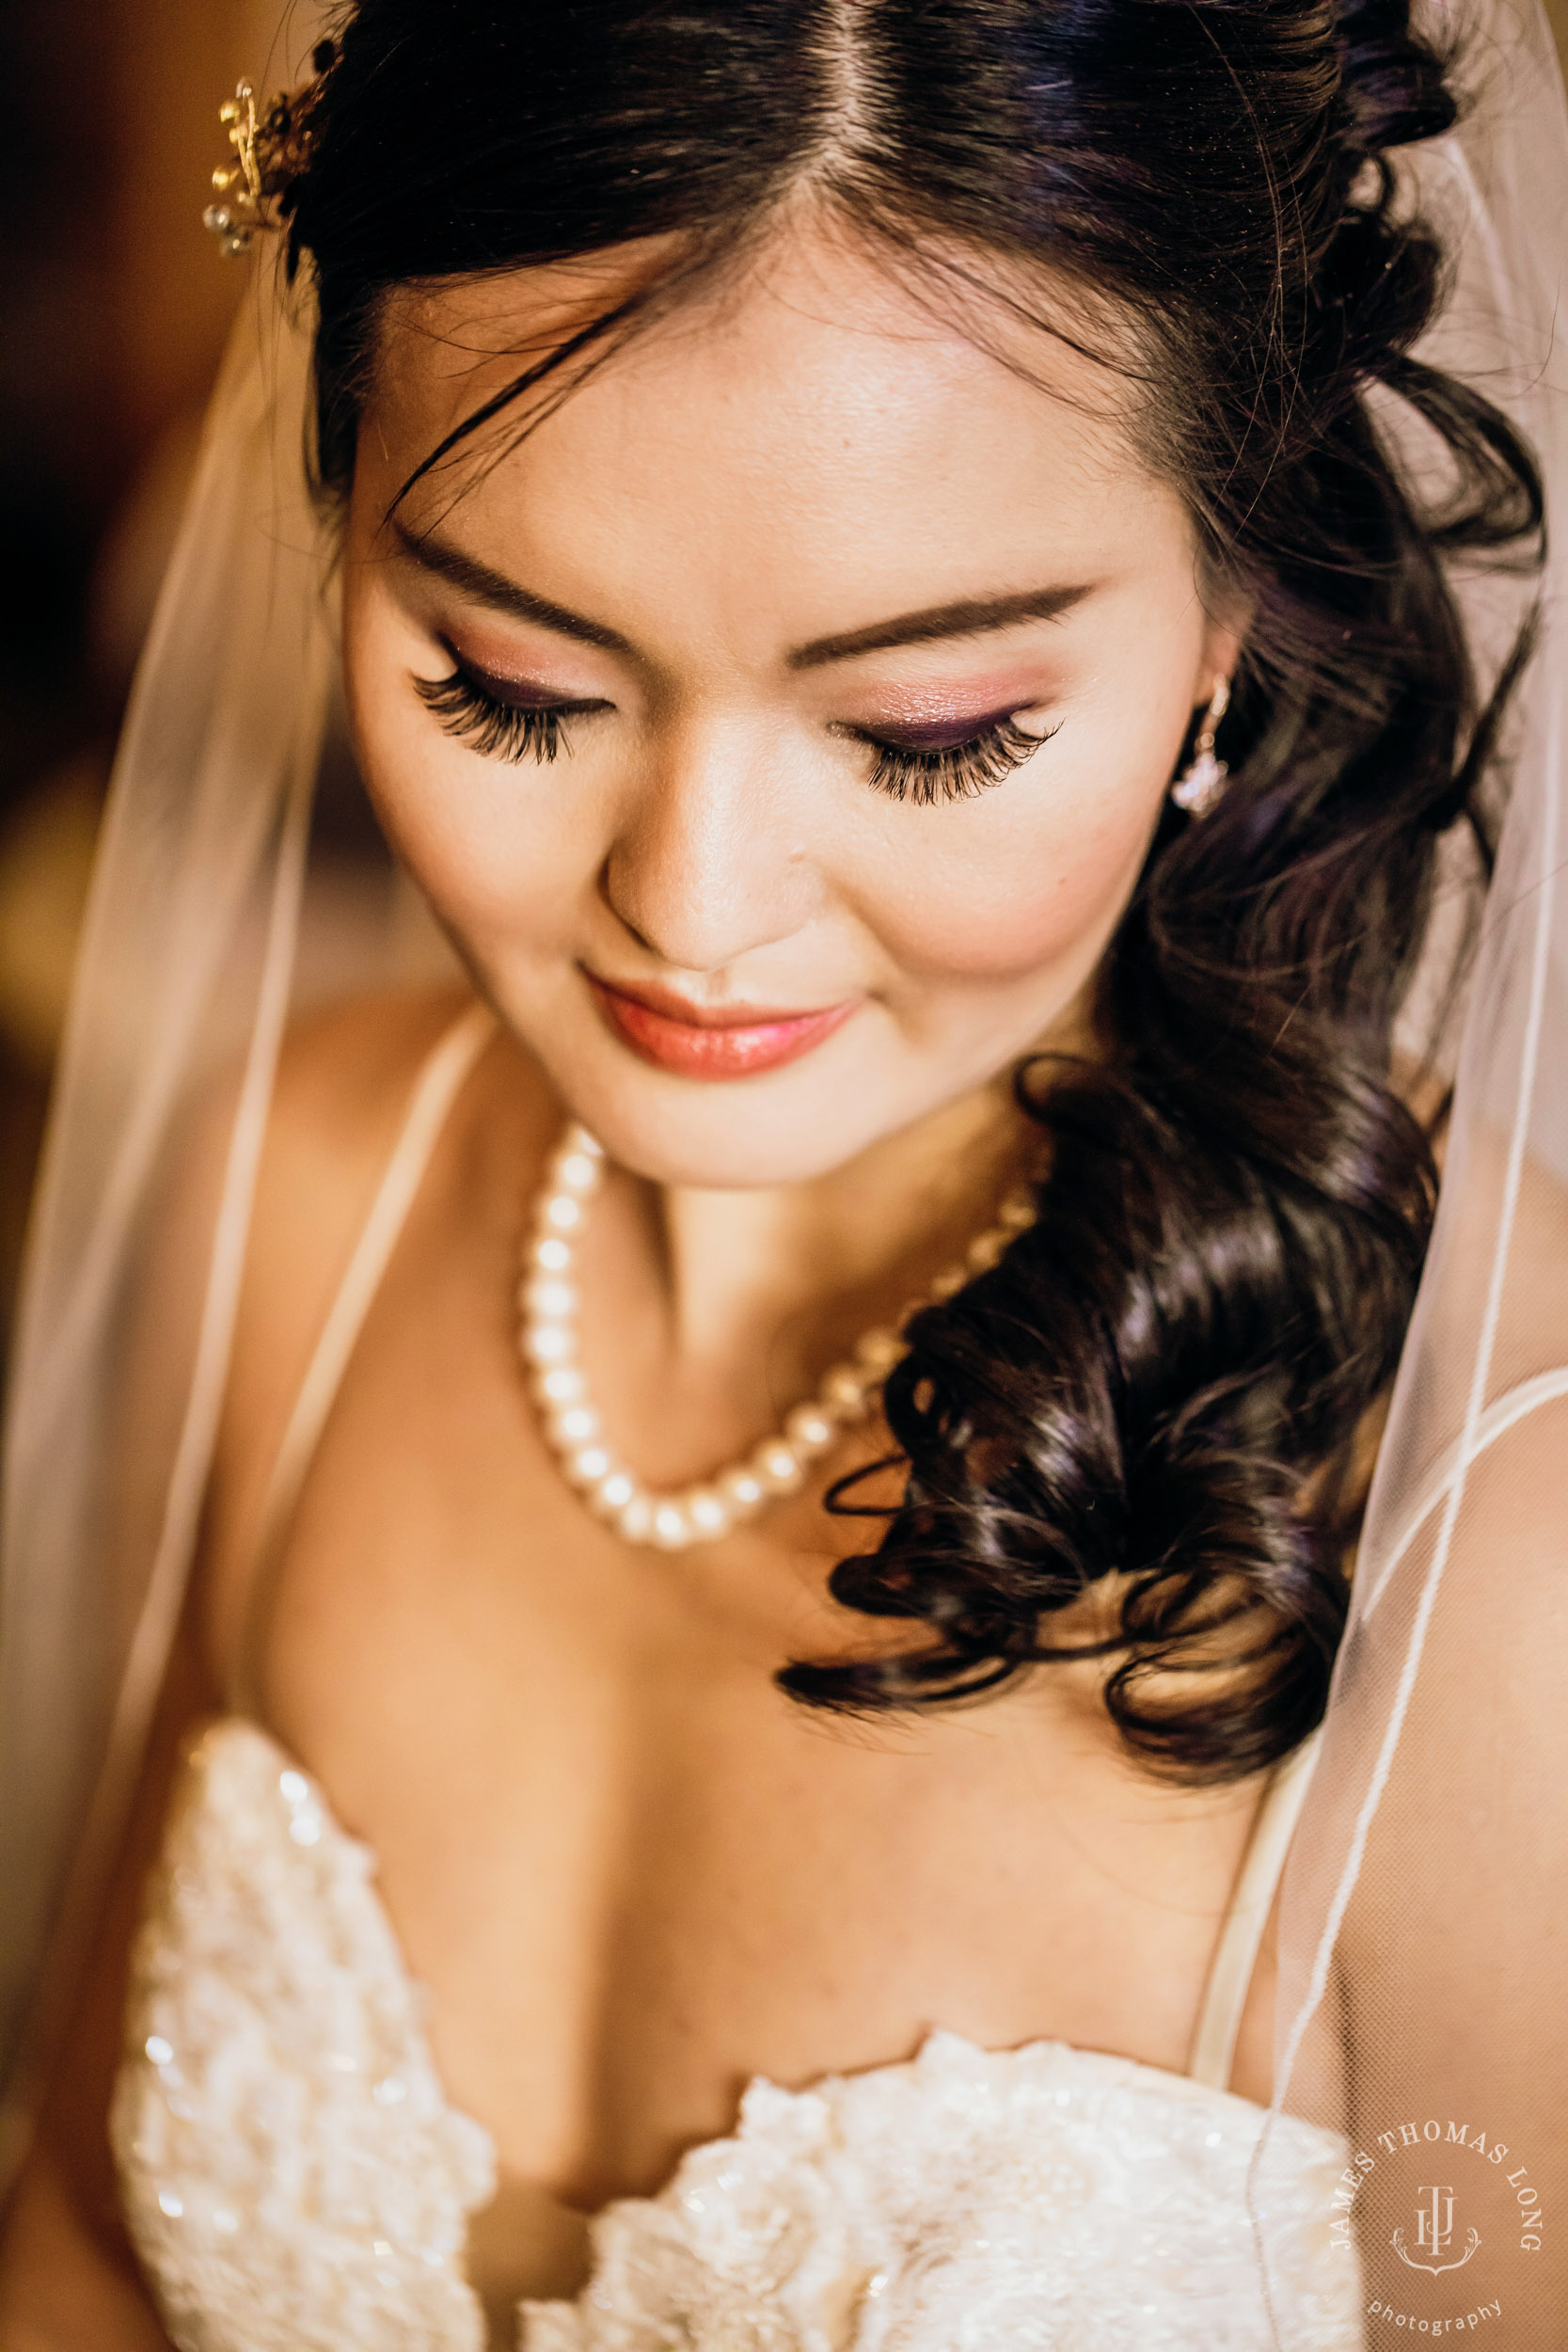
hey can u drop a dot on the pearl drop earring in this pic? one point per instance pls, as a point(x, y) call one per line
point(1202, 780)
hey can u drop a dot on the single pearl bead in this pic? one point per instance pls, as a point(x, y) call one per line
point(580, 1140)
point(548, 1297)
point(560, 1213)
point(578, 1426)
point(1017, 1212)
point(948, 1283)
point(880, 1349)
point(613, 1492)
point(707, 1511)
point(743, 1491)
point(573, 1172)
point(550, 1344)
point(635, 1518)
point(671, 1528)
point(590, 1466)
point(778, 1466)
point(845, 1389)
point(550, 1254)
point(563, 1384)
point(809, 1431)
point(985, 1251)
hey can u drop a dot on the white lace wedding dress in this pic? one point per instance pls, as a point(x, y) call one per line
point(296, 2180)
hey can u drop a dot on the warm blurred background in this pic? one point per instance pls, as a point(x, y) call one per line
point(114, 304)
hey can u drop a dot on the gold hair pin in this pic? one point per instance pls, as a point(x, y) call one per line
point(272, 147)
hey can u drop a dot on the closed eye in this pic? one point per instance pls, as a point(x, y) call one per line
point(926, 773)
point(496, 725)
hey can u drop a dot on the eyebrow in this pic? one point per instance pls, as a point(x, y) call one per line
point(487, 587)
point(970, 616)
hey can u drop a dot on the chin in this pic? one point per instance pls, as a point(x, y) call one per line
point(786, 1127)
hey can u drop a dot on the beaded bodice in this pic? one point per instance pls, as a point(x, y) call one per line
point(296, 2181)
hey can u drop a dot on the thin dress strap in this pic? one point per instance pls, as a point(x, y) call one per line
point(1242, 1935)
point(434, 1092)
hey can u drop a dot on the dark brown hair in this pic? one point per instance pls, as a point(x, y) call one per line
point(1161, 1382)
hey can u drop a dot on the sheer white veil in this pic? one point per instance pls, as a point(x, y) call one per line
point(186, 965)
point(1424, 1921)
point(1426, 1902)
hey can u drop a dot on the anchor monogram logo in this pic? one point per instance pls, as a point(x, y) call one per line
point(1435, 2234)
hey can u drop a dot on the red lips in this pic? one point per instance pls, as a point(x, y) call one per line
point(705, 1041)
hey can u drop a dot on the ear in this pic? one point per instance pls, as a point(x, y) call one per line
point(1221, 650)
point(1228, 617)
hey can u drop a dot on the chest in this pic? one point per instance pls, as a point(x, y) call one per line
point(630, 1872)
point(633, 1874)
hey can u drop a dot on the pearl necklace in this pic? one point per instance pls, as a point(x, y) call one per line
point(547, 1338)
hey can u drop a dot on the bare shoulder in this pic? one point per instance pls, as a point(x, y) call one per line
point(341, 1091)
point(344, 1084)
point(343, 1076)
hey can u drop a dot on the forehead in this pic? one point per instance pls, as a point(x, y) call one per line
point(819, 414)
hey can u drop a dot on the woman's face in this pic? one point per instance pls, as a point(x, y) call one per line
point(780, 727)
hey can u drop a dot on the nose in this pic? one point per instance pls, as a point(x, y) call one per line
point(708, 862)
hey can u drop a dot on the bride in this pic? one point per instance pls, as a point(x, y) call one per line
point(770, 1467)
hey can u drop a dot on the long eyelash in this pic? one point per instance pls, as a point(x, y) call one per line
point(497, 730)
point(961, 771)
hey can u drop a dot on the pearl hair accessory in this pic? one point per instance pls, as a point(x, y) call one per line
point(548, 1339)
point(1202, 780)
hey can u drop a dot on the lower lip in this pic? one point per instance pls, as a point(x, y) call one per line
point(691, 1052)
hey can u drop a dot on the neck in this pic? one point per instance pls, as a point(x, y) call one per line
point(741, 1267)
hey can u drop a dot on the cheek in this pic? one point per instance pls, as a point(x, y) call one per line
point(1030, 879)
point(504, 886)
point(489, 844)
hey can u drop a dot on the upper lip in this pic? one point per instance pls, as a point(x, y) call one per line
point(665, 1002)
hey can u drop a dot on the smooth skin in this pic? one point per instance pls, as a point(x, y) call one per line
point(804, 517)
